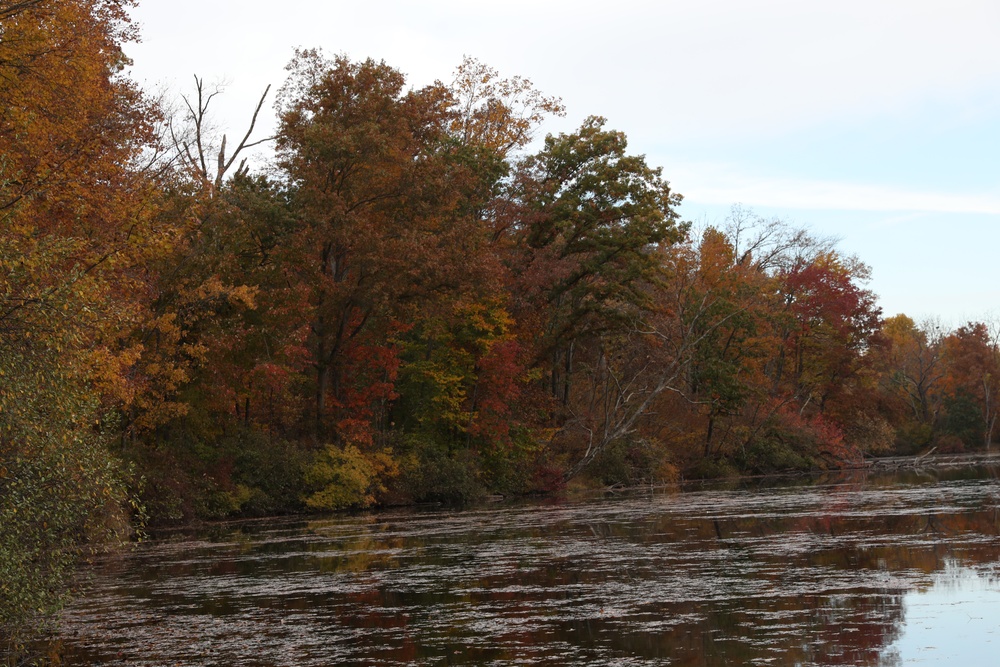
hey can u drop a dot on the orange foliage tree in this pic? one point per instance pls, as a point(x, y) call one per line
point(76, 222)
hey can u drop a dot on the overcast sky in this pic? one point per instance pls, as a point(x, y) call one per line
point(877, 122)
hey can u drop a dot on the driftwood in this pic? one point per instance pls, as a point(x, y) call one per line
point(930, 460)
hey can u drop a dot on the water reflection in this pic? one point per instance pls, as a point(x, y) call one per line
point(836, 573)
point(951, 622)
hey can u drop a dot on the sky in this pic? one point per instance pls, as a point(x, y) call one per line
point(877, 123)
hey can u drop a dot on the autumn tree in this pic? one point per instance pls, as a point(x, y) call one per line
point(972, 374)
point(914, 371)
point(496, 114)
point(734, 308)
point(384, 224)
point(464, 368)
point(200, 279)
point(833, 320)
point(730, 299)
point(76, 212)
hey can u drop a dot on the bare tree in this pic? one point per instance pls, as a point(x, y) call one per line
point(194, 140)
point(771, 244)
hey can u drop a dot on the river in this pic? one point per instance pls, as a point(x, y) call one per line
point(869, 569)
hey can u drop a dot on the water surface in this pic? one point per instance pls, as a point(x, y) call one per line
point(868, 570)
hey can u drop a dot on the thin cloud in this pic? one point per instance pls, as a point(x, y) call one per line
point(723, 185)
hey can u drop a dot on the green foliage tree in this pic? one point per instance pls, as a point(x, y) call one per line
point(590, 218)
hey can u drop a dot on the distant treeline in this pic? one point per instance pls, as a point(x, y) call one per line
point(409, 305)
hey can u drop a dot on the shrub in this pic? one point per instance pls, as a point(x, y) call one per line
point(432, 474)
point(629, 462)
point(58, 502)
point(345, 477)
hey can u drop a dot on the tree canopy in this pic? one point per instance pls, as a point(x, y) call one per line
point(417, 301)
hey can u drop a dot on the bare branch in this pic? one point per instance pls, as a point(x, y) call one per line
point(194, 144)
point(243, 144)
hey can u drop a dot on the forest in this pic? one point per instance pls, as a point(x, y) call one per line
point(419, 300)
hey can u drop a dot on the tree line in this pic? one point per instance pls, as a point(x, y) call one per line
point(413, 303)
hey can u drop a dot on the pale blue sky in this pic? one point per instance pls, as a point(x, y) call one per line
point(876, 122)
point(950, 622)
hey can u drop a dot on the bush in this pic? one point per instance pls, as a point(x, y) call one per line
point(948, 443)
point(871, 434)
point(58, 502)
point(192, 473)
point(507, 467)
point(712, 468)
point(431, 474)
point(268, 472)
point(776, 451)
point(345, 477)
point(63, 494)
point(963, 419)
point(912, 437)
point(632, 462)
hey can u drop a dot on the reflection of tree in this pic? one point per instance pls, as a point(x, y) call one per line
point(811, 575)
point(363, 550)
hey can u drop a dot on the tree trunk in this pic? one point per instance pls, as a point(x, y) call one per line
point(567, 372)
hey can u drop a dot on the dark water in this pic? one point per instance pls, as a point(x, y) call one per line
point(863, 571)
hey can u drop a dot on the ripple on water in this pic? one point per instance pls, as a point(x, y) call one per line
point(804, 575)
